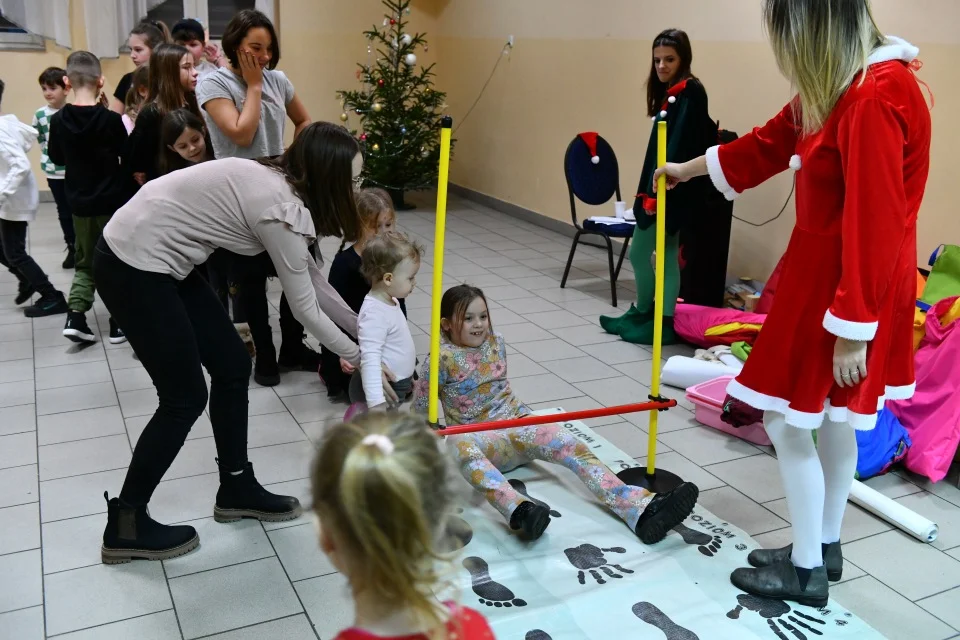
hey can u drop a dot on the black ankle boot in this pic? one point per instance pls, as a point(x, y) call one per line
point(299, 357)
point(265, 370)
point(132, 534)
point(241, 496)
point(832, 558)
point(781, 582)
point(665, 511)
point(530, 519)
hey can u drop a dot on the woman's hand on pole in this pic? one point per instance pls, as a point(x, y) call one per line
point(680, 172)
point(849, 362)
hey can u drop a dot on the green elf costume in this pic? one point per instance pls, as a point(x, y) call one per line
point(690, 131)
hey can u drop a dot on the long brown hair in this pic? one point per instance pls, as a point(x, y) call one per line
point(319, 167)
point(166, 90)
point(381, 492)
point(454, 303)
point(656, 90)
point(173, 124)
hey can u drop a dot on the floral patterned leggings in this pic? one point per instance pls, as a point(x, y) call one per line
point(482, 456)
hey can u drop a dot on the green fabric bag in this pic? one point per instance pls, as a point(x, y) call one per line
point(944, 280)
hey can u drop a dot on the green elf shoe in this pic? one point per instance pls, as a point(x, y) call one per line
point(612, 324)
point(643, 334)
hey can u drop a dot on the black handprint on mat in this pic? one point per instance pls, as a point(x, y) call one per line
point(708, 545)
point(773, 611)
point(490, 592)
point(521, 488)
point(587, 557)
point(537, 634)
point(652, 615)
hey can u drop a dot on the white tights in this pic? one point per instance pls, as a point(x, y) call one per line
point(817, 481)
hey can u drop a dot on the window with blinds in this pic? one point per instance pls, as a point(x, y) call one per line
point(221, 11)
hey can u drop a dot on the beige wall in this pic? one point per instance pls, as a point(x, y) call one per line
point(580, 66)
point(20, 70)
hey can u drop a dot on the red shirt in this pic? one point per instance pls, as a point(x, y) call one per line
point(464, 624)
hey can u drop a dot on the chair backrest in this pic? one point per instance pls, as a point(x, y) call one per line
point(593, 184)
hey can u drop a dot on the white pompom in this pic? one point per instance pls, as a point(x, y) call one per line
point(672, 99)
point(654, 118)
point(410, 59)
point(795, 162)
point(663, 114)
point(595, 159)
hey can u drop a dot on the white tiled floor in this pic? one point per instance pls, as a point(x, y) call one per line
point(69, 417)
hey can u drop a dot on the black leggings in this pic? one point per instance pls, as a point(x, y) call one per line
point(176, 327)
point(250, 274)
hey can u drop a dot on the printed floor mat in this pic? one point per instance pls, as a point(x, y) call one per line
point(590, 577)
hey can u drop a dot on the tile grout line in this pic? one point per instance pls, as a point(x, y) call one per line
point(97, 626)
point(290, 582)
point(173, 603)
point(254, 624)
point(36, 440)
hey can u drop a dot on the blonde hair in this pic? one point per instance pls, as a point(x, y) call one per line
point(384, 253)
point(371, 203)
point(820, 46)
point(379, 482)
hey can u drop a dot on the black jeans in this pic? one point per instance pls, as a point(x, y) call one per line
point(250, 274)
point(64, 212)
point(14, 256)
point(175, 328)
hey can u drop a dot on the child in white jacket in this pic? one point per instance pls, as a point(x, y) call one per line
point(18, 207)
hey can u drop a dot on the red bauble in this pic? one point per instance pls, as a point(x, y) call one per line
point(380, 82)
point(392, 21)
point(363, 136)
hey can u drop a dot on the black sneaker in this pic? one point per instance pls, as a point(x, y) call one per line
point(241, 496)
point(24, 291)
point(530, 519)
point(665, 511)
point(77, 329)
point(50, 305)
point(116, 333)
point(131, 534)
point(71, 260)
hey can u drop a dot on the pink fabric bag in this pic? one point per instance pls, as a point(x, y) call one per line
point(692, 321)
point(932, 415)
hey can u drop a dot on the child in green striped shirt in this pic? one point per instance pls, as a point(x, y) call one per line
point(55, 93)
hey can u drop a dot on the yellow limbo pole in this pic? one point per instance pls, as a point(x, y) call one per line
point(445, 133)
point(658, 299)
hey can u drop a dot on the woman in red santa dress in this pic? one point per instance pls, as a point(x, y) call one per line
point(837, 341)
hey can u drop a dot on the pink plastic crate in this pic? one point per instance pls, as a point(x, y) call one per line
point(708, 398)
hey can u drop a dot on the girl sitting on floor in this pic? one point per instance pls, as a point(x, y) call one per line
point(381, 503)
point(474, 388)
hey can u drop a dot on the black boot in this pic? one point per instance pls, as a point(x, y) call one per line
point(666, 511)
point(298, 357)
point(266, 373)
point(71, 260)
point(132, 534)
point(530, 519)
point(832, 558)
point(24, 291)
point(241, 496)
point(781, 582)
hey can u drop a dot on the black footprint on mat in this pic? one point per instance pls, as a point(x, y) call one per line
point(589, 558)
point(537, 634)
point(708, 545)
point(521, 488)
point(652, 615)
point(457, 535)
point(490, 592)
point(773, 611)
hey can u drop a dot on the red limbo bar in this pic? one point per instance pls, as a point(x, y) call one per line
point(529, 421)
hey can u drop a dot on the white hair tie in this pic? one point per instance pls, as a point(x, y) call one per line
point(379, 441)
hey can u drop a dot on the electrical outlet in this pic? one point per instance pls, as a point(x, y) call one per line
point(510, 40)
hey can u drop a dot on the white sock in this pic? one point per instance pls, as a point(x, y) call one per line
point(837, 447)
point(804, 486)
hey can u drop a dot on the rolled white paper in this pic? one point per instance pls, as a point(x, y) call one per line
point(893, 512)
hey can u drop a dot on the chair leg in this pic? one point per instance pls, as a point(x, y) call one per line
point(623, 253)
point(573, 249)
point(613, 277)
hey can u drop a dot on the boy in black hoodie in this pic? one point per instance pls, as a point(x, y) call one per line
point(89, 140)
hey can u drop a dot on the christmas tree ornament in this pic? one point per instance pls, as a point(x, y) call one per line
point(375, 147)
point(410, 59)
point(406, 39)
point(394, 44)
point(376, 107)
point(343, 117)
point(358, 110)
point(380, 82)
point(392, 22)
point(386, 22)
point(408, 10)
point(363, 136)
point(403, 130)
point(424, 153)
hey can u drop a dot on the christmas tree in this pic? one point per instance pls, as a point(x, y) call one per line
point(399, 109)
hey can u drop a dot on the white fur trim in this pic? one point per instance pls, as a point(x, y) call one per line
point(893, 48)
point(763, 402)
point(795, 162)
point(716, 174)
point(863, 331)
point(901, 393)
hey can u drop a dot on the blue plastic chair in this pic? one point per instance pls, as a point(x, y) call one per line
point(594, 184)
